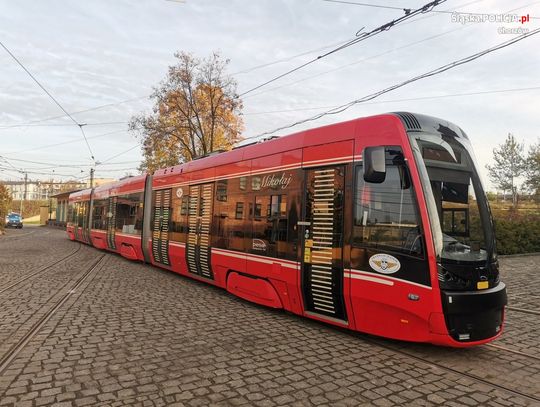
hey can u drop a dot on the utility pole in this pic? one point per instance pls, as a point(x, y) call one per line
point(25, 184)
point(24, 196)
point(51, 186)
point(91, 178)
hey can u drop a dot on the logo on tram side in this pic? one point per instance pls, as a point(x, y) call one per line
point(258, 244)
point(384, 263)
point(271, 181)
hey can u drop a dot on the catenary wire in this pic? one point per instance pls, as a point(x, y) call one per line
point(360, 37)
point(50, 96)
point(400, 100)
point(431, 73)
point(65, 142)
point(390, 51)
point(247, 70)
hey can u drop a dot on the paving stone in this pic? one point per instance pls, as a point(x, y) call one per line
point(134, 335)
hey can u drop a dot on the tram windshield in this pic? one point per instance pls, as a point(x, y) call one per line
point(459, 213)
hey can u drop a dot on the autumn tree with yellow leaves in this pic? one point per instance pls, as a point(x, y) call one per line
point(196, 112)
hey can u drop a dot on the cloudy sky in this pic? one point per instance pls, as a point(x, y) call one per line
point(100, 60)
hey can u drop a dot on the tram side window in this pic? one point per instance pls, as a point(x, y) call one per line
point(386, 214)
point(81, 213)
point(129, 213)
point(179, 222)
point(229, 220)
point(270, 225)
point(71, 213)
point(221, 190)
point(99, 215)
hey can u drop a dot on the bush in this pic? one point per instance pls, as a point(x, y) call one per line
point(517, 233)
point(30, 207)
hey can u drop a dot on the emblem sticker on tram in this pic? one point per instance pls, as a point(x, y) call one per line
point(258, 244)
point(384, 263)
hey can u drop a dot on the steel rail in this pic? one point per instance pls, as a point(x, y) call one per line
point(40, 270)
point(526, 311)
point(12, 353)
point(473, 377)
point(517, 352)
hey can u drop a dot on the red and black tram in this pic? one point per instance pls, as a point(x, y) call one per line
point(378, 224)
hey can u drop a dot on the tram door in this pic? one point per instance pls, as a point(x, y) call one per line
point(160, 225)
point(201, 198)
point(111, 222)
point(322, 242)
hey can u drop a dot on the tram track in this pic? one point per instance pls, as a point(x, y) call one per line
point(40, 270)
point(16, 348)
point(15, 237)
point(524, 310)
point(530, 397)
point(514, 351)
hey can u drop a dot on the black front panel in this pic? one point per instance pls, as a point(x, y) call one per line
point(473, 316)
point(160, 226)
point(322, 263)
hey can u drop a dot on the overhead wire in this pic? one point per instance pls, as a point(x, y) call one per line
point(390, 51)
point(369, 5)
point(436, 71)
point(119, 154)
point(60, 125)
point(65, 142)
point(401, 100)
point(50, 96)
point(405, 9)
point(359, 38)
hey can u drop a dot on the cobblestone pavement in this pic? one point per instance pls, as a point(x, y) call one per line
point(134, 335)
point(521, 275)
point(15, 261)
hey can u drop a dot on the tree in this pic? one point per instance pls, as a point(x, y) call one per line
point(5, 204)
point(196, 111)
point(509, 165)
point(532, 169)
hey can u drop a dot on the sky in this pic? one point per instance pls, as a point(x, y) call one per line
point(101, 59)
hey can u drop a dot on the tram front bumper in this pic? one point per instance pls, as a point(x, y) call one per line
point(473, 316)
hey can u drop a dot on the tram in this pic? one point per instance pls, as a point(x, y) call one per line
point(378, 224)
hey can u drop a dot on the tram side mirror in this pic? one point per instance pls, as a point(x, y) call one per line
point(374, 164)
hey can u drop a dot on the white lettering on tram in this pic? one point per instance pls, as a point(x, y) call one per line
point(271, 181)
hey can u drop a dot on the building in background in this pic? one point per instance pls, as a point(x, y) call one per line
point(33, 190)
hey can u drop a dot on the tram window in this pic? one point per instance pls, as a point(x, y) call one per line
point(229, 227)
point(278, 205)
point(221, 191)
point(179, 211)
point(184, 205)
point(239, 212)
point(256, 183)
point(243, 183)
point(70, 213)
point(81, 213)
point(258, 208)
point(99, 216)
point(386, 214)
point(129, 213)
